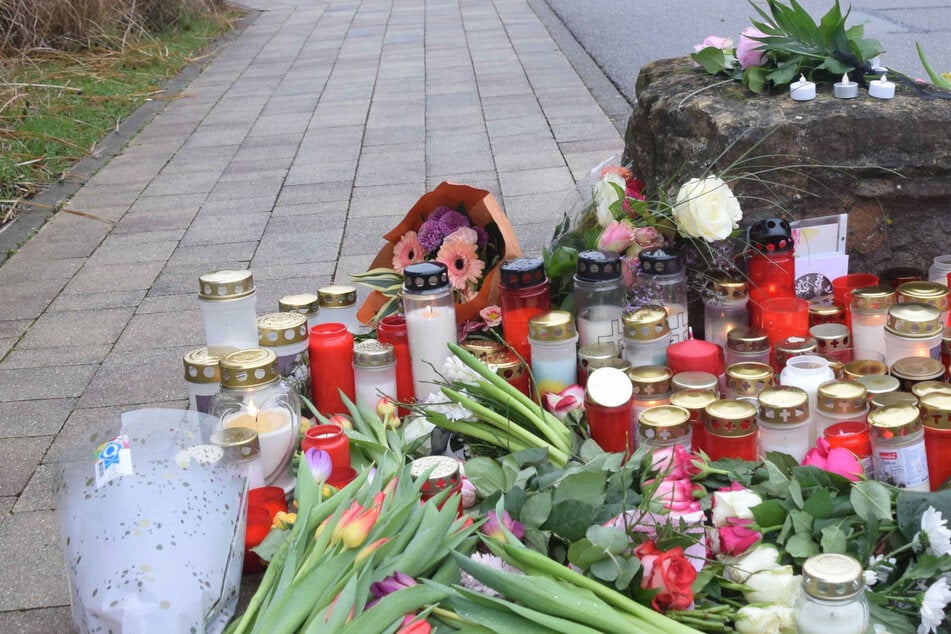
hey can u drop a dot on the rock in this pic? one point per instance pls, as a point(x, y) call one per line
point(887, 163)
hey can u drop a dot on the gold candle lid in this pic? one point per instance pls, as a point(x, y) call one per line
point(749, 378)
point(304, 303)
point(664, 423)
point(894, 398)
point(279, 329)
point(480, 347)
point(936, 410)
point(795, 346)
point(783, 405)
point(694, 381)
point(201, 364)
point(371, 353)
point(930, 293)
point(555, 325)
point(237, 443)
point(747, 339)
point(917, 368)
point(337, 296)
point(891, 421)
point(864, 367)
point(733, 418)
point(444, 475)
point(831, 337)
point(841, 397)
point(646, 324)
point(913, 320)
point(929, 387)
point(595, 355)
point(695, 402)
point(724, 286)
point(608, 387)
point(506, 364)
point(832, 577)
point(222, 285)
point(878, 384)
point(253, 367)
point(872, 299)
point(650, 380)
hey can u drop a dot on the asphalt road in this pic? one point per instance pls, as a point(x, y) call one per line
point(623, 35)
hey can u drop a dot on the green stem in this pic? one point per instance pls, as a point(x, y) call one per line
point(535, 420)
point(480, 432)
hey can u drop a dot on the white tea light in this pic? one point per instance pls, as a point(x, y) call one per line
point(881, 88)
point(802, 90)
point(845, 89)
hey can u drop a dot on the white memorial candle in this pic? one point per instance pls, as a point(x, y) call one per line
point(429, 329)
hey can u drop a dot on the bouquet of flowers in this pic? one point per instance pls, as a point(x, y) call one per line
point(460, 226)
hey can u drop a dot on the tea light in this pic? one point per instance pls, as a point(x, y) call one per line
point(881, 88)
point(802, 90)
point(845, 89)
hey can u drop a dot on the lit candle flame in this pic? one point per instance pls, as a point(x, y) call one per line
point(252, 410)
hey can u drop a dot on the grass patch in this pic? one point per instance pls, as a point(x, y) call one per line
point(55, 105)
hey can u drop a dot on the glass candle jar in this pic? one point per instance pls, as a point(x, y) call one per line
point(831, 338)
point(374, 372)
point(927, 387)
point(840, 401)
point(392, 330)
point(664, 426)
point(202, 377)
point(807, 372)
point(730, 430)
point(523, 293)
point(783, 318)
point(913, 370)
point(241, 446)
point(331, 367)
point(307, 304)
point(338, 305)
point(747, 380)
point(646, 336)
point(843, 286)
point(895, 276)
point(510, 367)
point(832, 596)
point(858, 368)
point(286, 335)
point(599, 298)
point(695, 402)
point(876, 384)
point(694, 381)
point(253, 395)
point(823, 312)
point(869, 314)
point(893, 398)
point(783, 421)
point(930, 293)
point(430, 323)
point(939, 269)
point(228, 308)
point(912, 330)
point(747, 344)
point(898, 447)
point(935, 408)
point(945, 354)
point(663, 278)
point(724, 306)
point(793, 347)
point(554, 339)
point(770, 264)
point(594, 356)
point(651, 385)
point(442, 473)
point(608, 410)
point(329, 438)
point(854, 436)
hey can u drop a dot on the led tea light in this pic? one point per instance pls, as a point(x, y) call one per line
point(803, 89)
point(881, 88)
point(845, 89)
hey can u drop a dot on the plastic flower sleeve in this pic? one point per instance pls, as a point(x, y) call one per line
point(160, 549)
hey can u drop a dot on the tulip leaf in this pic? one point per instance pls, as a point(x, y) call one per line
point(801, 546)
point(894, 622)
point(871, 499)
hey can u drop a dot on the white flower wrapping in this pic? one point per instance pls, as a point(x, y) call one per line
point(706, 208)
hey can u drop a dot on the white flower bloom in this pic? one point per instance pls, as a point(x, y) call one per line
point(727, 504)
point(934, 534)
point(933, 603)
point(878, 569)
point(455, 371)
point(769, 619)
point(778, 586)
point(470, 582)
point(606, 195)
point(450, 409)
point(417, 427)
point(706, 209)
point(762, 558)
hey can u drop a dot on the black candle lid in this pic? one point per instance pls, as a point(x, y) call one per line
point(772, 235)
point(596, 266)
point(522, 273)
point(660, 261)
point(425, 277)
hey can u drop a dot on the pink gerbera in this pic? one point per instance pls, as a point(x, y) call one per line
point(407, 251)
point(463, 263)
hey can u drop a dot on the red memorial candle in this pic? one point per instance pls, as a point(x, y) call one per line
point(695, 355)
point(329, 438)
point(782, 318)
point(843, 286)
point(523, 293)
point(770, 263)
point(392, 330)
point(609, 410)
point(331, 367)
point(730, 429)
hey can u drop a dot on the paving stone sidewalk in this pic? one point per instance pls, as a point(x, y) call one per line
point(305, 139)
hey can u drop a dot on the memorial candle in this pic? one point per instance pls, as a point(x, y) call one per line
point(430, 323)
point(331, 356)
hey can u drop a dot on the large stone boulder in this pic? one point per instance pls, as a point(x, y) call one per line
point(887, 163)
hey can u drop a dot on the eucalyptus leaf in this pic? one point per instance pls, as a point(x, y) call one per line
point(606, 569)
point(536, 509)
point(871, 499)
point(612, 539)
point(629, 568)
point(801, 546)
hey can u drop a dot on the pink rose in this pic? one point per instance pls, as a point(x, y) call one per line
point(644, 237)
point(669, 490)
point(673, 463)
point(723, 43)
point(736, 537)
point(748, 52)
point(833, 459)
point(569, 399)
point(617, 236)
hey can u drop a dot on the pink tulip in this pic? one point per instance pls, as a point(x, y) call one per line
point(669, 491)
point(616, 237)
point(736, 537)
point(747, 51)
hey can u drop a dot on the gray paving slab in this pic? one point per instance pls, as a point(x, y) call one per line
point(39, 358)
point(34, 418)
point(37, 580)
point(21, 456)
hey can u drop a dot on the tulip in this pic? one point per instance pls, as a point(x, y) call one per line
point(468, 494)
point(355, 532)
point(388, 585)
point(369, 549)
point(492, 528)
point(415, 627)
point(319, 464)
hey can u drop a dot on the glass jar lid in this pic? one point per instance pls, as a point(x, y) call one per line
point(783, 405)
point(650, 381)
point(922, 388)
point(253, 367)
point(522, 273)
point(747, 339)
point(608, 387)
point(664, 423)
point(694, 380)
point(913, 320)
point(936, 409)
point(749, 378)
point(280, 329)
point(340, 295)
point(555, 325)
point(237, 443)
point(878, 384)
point(891, 421)
point(831, 337)
point(480, 347)
point(930, 293)
point(693, 400)
point(725, 286)
point(864, 367)
point(306, 304)
point(730, 418)
point(823, 311)
point(832, 577)
point(648, 323)
point(506, 364)
point(371, 353)
point(871, 299)
point(917, 369)
point(222, 285)
point(660, 261)
point(598, 266)
point(443, 472)
point(201, 364)
point(841, 397)
point(795, 346)
point(596, 355)
point(894, 398)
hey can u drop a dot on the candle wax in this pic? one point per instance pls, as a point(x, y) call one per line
point(430, 329)
point(275, 434)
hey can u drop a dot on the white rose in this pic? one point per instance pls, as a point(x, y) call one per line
point(606, 195)
point(706, 209)
point(727, 504)
point(778, 586)
point(770, 619)
point(762, 558)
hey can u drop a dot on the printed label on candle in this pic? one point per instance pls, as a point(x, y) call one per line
point(113, 460)
point(903, 466)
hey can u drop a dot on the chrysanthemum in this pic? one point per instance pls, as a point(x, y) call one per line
point(463, 263)
point(407, 251)
point(452, 220)
point(933, 603)
point(934, 534)
point(431, 234)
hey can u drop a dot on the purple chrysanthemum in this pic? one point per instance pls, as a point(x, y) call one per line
point(483, 239)
point(439, 212)
point(431, 234)
point(452, 220)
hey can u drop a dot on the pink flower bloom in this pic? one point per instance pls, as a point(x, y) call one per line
point(747, 51)
point(673, 463)
point(724, 43)
point(407, 251)
point(644, 237)
point(492, 315)
point(736, 537)
point(569, 399)
point(493, 528)
point(619, 170)
point(669, 490)
point(463, 234)
point(833, 459)
point(463, 262)
point(616, 237)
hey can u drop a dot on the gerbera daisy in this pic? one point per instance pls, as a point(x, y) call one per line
point(407, 251)
point(463, 263)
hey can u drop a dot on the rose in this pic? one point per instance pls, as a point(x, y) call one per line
point(670, 572)
point(833, 459)
point(706, 208)
point(644, 237)
point(673, 463)
point(617, 236)
point(763, 557)
point(770, 619)
point(669, 490)
point(748, 51)
point(736, 537)
point(606, 195)
point(568, 400)
point(722, 43)
point(778, 586)
point(733, 502)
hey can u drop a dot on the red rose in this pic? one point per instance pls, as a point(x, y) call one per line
point(670, 573)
